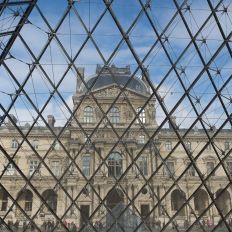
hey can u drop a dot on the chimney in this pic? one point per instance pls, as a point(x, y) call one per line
point(51, 120)
point(173, 119)
point(81, 71)
point(13, 118)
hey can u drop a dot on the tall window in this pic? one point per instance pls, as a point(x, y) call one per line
point(55, 167)
point(229, 167)
point(114, 115)
point(11, 170)
point(4, 201)
point(35, 144)
point(141, 139)
point(86, 165)
point(191, 170)
point(168, 146)
point(88, 114)
point(143, 165)
point(226, 146)
point(142, 118)
point(33, 166)
point(28, 200)
point(210, 167)
point(14, 143)
point(115, 164)
point(170, 171)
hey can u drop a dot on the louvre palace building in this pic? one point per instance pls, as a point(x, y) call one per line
point(112, 159)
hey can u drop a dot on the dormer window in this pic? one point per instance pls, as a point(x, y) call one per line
point(88, 114)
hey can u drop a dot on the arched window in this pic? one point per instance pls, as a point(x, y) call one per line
point(115, 164)
point(25, 199)
point(88, 114)
point(28, 200)
point(177, 201)
point(168, 146)
point(114, 115)
point(51, 199)
point(142, 118)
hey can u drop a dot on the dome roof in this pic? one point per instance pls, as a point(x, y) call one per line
point(106, 79)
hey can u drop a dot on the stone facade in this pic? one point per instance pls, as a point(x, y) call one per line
point(107, 154)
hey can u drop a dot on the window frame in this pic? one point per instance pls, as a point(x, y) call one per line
point(4, 201)
point(55, 169)
point(14, 143)
point(226, 146)
point(86, 165)
point(32, 166)
point(141, 117)
point(35, 144)
point(168, 145)
point(188, 145)
point(88, 114)
point(143, 165)
point(114, 164)
point(11, 170)
point(141, 139)
point(114, 115)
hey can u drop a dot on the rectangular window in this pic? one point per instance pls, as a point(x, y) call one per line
point(4, 201)
point(35, 144)
point(210, 167)
point(226, 146)
point(33, 166)
point(86, 165)
point(143, 165)
point(55, 164)
point(11, 170)
point(141, 139)
point(28, 206)
point(14, 144)
point(188, 145)
point(170, 171)
point(229, 167)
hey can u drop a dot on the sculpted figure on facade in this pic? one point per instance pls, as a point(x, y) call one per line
point(151, 113)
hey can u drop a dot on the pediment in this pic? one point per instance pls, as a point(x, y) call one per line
point(114, 91)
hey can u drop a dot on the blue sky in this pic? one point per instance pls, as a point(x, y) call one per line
point(107, 36)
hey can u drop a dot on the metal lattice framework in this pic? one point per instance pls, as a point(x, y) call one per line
point(180, 50)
